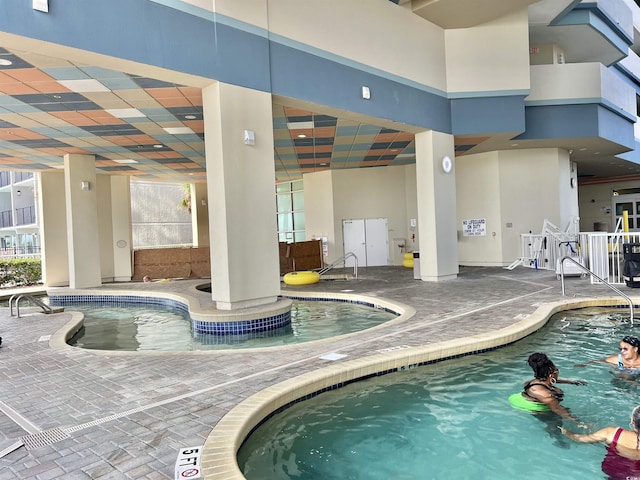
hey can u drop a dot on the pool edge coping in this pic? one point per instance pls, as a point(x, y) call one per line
point(219, 453)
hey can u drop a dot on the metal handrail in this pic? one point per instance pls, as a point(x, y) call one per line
point(324, 270)
point(16, 299)
point(586, 270)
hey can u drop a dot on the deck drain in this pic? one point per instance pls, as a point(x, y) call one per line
point(42, 439)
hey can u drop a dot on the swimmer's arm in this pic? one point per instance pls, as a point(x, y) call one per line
point(604, 435)
point(571, 382)
point(613, 359)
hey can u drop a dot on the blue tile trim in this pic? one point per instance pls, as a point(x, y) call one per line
point(198, 326)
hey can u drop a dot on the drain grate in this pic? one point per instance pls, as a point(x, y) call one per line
point(42, 439)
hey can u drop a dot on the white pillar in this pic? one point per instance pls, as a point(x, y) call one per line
point(241, 195)
point(83, 237)
point(121, 229)
point(436, 194)
point(53, 229)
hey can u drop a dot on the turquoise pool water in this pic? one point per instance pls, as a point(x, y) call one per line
point(452, 420)
point(114, 326)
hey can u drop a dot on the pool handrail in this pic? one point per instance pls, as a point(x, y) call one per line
point(589, 272)
point(342, 259)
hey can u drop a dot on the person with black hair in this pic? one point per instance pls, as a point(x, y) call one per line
point(622, 460)
point(627, 359)
point(542, 388)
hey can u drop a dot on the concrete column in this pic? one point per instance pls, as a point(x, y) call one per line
point(83, 237)
point(436, 194)
point(241, 192)
point(121, 239)
point(53, 229)
point(199, 215)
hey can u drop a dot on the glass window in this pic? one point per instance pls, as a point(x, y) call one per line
point(298, 221)
point(298, 185)
point(298, 200)
point(285, 221)
point(621, 207)
point(284, 203)
point(300, 236)
point(283, 187)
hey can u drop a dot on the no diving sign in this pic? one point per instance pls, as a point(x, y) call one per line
point(188, 463)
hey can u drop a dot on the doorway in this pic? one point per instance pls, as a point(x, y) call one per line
point(367, 238)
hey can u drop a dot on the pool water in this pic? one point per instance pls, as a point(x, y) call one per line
point(161, 328)
point(452, 420)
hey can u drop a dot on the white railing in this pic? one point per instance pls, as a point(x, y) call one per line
point(600, 252)
point(606, 256)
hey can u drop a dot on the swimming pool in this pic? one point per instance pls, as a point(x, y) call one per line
point(136, 327)
point(452, 419)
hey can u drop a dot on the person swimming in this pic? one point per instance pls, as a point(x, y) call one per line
point(542, 388)
point(627, 360)
point(622, 460)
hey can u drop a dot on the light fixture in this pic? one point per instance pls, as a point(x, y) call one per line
point(85, 185)
point(249, 137)
point(5, 63)
point(447, 164)
point(18, 193)
point(366, 93)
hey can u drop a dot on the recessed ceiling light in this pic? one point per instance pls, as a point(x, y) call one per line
point(4, 62)
point(302, 135)
point(125, 112)
point(178, 130)
point(299, 125)
point(158, 146)
point(323, 164)
point(126, 160)
point(190, 117)
point(84, 85)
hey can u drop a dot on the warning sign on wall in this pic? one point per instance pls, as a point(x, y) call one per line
point(474, 227)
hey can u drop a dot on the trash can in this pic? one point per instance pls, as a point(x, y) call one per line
point(416, 265)
point(631, 267)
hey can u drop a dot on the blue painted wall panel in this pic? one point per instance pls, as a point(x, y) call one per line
point(304, 76)
point(488, 115)
point(149, 33)
point(577, 121)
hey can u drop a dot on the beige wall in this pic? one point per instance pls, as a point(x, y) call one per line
point(331, 197)
point(493, 56)
point(372, 32)
point(595, 203)
point(515, 191)
point(318, 211)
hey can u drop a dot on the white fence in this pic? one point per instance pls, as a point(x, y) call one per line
point(600, 252)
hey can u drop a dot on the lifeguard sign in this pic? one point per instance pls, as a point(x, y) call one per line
point(188, 463)
point(474, 227)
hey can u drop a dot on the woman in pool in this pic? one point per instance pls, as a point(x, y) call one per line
point(622, 460)
point(542, 388)
point(628, 358)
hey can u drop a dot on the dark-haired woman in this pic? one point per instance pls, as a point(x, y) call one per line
point(627, 359)
point(542, 389)
point(623, 447)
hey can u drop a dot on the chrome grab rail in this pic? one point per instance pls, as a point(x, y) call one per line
point(586, 270)
point(15, 299)
point(324, 270)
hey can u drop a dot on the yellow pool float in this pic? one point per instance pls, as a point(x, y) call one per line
point(408, 260)
point(301, 278)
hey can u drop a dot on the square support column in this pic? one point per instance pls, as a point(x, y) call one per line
point(83, 239)
point(436, 194)
point(241, 193)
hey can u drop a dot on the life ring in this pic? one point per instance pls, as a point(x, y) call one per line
point(301, 278)
point(518, 401)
